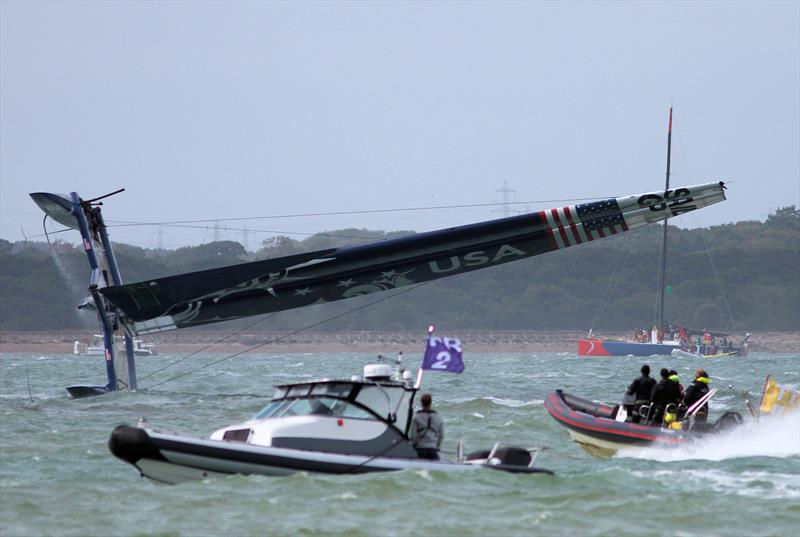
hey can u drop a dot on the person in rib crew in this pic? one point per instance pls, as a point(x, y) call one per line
point(640, 388)
point(427, 430)
point(696, 390)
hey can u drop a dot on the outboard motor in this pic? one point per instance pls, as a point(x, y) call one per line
point(505, 455)
point(512, 459)
point(728, 420)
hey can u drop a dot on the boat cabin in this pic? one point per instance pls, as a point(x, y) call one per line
point(362, 415)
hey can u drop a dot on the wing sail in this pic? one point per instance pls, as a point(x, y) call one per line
point(259, 287)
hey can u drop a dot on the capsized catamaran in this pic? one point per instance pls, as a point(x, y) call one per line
point(271, 285)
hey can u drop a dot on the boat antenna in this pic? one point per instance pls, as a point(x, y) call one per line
point(662, 273)
point(93, 200)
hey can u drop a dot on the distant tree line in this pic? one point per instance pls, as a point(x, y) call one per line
point(742, 276)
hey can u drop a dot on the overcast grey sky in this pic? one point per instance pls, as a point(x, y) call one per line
point(208, 110)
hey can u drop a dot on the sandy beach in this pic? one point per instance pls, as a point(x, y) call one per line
point(386, 342)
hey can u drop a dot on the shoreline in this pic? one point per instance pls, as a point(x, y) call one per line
point(62, 341)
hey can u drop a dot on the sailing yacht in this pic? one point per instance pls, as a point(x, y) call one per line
point(660, 340)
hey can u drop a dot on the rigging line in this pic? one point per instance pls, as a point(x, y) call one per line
point(44, 227)
point(623, 256)
point(178, 223)
point(278, 232)
point(660, 283)
point(719, 281)
point(249, 230)
point(52, 232)
point(289, 334)
point(260, 320)
point(362, 211)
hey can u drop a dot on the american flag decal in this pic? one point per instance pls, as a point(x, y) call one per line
point(576, 224)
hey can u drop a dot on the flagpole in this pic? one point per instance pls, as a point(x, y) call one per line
point(418, 383)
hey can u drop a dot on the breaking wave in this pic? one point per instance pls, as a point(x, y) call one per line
point(777, 436)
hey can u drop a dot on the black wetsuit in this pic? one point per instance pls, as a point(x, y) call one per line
point(694, 393)
point(664, 393)
point(641, 387)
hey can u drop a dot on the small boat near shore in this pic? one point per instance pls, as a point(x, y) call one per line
point(327, 426)
point(681, 353)
point(602, 429)
point(96, 347)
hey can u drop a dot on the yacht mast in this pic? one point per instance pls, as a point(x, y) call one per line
point(662, 273)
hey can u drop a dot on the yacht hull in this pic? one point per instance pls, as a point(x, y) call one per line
point(600, 347)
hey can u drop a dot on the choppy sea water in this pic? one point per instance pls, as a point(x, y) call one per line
point(57, 476)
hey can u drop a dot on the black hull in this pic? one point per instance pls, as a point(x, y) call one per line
point(81, 391)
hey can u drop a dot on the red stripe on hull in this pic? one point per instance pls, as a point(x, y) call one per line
point(568, 214)
point(591, 347)
point(550, 239)
point(574, 229)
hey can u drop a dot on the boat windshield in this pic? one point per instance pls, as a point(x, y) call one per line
point(298, 391)
point(339, 389)
point(315, 406)
point(273, 407)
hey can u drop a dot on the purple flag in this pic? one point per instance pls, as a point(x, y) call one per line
point(443, 354)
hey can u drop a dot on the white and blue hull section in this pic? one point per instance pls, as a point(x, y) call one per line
point(170, 458)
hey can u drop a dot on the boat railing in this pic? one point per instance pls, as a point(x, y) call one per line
point(691, 412)
point(644, 412)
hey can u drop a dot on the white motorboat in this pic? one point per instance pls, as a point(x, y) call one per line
point(96, 348)
point(328, 426)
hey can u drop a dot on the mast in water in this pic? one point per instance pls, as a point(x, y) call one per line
point(662, 273)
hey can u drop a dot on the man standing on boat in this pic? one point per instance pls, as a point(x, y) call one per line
point(640, 389)
point(695, 392)
point(666, 392)
point(427, 430)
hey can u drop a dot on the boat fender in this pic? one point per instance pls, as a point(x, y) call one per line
point(131, 444)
